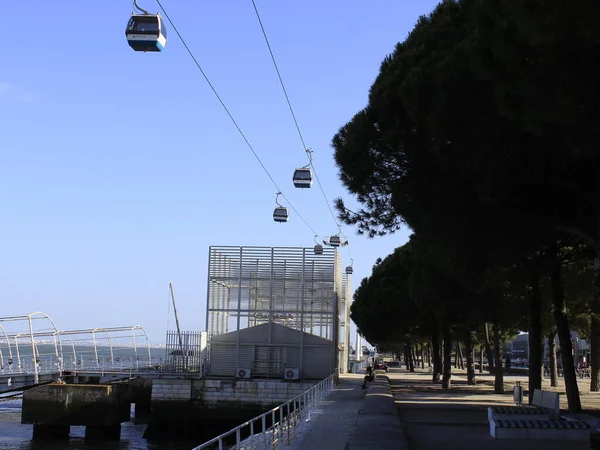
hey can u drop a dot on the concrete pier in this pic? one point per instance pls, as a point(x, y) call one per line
point(140, 394)
point(200, 409)
point(54, 407)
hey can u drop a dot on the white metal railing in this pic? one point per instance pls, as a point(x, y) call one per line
point(275, 428)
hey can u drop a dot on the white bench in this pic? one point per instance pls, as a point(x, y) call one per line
point(544, 406)
point(563, 430)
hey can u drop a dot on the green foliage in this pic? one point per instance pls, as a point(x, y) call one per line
point(481, 135)
point(381, 302)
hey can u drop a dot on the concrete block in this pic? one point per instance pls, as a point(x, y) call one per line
point(72, 404)
point(180, 382)
point(539, 433)
point(252, 389)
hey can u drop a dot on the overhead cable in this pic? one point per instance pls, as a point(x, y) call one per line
point(229, 113)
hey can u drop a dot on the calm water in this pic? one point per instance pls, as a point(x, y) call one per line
point(14, 436)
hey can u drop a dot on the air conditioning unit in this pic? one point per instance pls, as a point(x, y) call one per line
point(291, 374)
point(244, 373)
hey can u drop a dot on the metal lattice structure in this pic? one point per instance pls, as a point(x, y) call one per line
point(345, 322)
point(291, 287)
point(185, 352)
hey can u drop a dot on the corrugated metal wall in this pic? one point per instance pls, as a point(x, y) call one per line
point(317, 361)
point(268, 349)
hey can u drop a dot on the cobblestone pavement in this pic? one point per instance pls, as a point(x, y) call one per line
point(332, 425)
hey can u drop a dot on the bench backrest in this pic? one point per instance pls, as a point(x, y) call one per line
point(537, 397)
point(551, 401)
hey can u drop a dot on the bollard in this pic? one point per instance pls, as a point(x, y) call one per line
point(518, 394)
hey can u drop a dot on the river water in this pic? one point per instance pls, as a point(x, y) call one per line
point(15, 436)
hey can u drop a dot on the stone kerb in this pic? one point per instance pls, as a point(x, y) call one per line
point(378, 420)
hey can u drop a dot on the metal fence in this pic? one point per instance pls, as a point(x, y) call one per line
point(185, 352)
point(275, 428)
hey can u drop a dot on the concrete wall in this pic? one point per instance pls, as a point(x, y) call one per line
point(227, 393)
point(221, 393)
point(167, 389)
point(201, 409)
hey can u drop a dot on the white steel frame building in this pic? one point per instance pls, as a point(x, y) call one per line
point(292, 287)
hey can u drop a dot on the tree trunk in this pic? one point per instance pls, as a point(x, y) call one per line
point(437, 360)
point(469, 355)
point(461, 359)
point(552, 359)
point(595, 306)
point(407, 356)
point(416, 356)
point(534, 325)
point(446, 384)
point(422, 354)
point(411, 358)
point(481, 359)
point(499, 373)
point(595, 338)
point(456, 356)
point(564, 338)
point(429, 354)
point(488, 348)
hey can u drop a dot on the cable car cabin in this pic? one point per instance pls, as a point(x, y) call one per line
point(280, 214)
point(318, 249)
point(349, 270)
point(303, 178)
point(146, 33)
point(335, 241)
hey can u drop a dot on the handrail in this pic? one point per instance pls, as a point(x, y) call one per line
point(291, 414)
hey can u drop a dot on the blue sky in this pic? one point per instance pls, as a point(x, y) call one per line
point(119, 169)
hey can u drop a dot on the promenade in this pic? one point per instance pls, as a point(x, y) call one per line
point(353, 419)
point(406, 411)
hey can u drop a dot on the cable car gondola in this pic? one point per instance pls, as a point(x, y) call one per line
point(146, 32)
point(335, 241)
point(318, 247)
point(302, 177)
point(349, 269)
point(280, 214)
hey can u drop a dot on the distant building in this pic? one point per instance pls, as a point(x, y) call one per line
point(519, 348)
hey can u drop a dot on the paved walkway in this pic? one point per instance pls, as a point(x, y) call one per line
point(455, 419)
point(406, 411)
point(353, 419)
